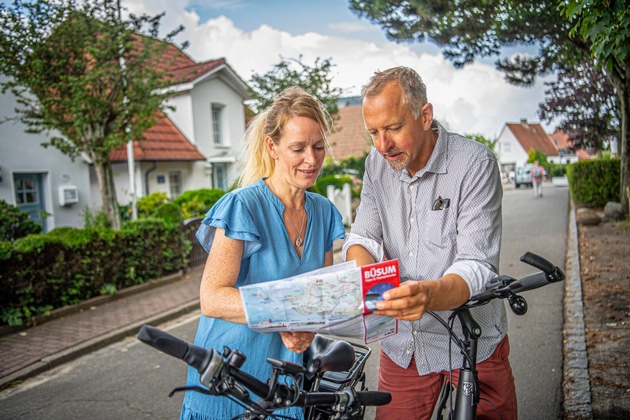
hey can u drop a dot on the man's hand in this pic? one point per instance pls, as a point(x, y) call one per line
point(297, 341)
point(407, 302)
point(410, 300)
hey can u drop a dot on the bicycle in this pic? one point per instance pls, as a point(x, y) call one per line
point(334, 368)
point(330, 384)
point(467, 396)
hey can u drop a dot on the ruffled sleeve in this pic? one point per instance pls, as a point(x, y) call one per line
point(231, 215)
point(336, 228)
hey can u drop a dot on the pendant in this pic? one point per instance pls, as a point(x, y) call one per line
point(299, 242)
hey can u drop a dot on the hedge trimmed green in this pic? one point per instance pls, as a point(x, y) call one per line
point(39, 273)
point(594, 182)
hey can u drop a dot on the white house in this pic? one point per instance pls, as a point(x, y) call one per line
point(195, 146)
point(517, 139)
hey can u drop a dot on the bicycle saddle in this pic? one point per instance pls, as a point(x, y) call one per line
point(325, 354)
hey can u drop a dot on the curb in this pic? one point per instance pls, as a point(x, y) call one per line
point(576, 383)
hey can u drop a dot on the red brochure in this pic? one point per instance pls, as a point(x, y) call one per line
point(376, 279)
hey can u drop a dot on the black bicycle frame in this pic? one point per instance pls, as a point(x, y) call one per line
point(468, 385)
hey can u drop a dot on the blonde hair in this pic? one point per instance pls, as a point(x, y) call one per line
point(414, 90)
point(292, 102)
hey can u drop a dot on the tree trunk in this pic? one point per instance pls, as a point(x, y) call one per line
point(107, 188)
point(623, 91)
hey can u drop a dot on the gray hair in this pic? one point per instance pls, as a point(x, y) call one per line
point(414, 90)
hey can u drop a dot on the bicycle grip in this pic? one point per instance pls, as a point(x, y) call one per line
point(331, 398)
point(531, 282)
point(538, 262)
point(374, 397)
point(196, 357)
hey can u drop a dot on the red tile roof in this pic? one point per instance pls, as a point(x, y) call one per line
point(561, 140)
point(584, 155)
point(162, 142)
point(181, 67)
point(350, 138)
point(533, 136)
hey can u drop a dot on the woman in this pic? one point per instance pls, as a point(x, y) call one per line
point(270, 228)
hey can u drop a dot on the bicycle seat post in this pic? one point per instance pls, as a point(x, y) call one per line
point(468, 387)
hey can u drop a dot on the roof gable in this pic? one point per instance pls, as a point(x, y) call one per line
point(532, 136)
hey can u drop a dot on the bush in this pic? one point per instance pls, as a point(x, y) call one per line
point(196, 203)
point(170, 212)
point(338, 181)
point(66, 266)
point(149, 204)
point(14, 223)
point(595, 182)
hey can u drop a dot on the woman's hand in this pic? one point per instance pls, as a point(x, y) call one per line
point(297, 341)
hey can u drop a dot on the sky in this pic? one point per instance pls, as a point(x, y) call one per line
point(253, 35)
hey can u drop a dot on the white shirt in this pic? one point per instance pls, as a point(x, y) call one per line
point(396, 219)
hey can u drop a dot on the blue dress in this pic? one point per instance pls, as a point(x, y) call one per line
point(253, 214)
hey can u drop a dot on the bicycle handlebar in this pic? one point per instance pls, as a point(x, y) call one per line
point(504, 286)
point(213, 367)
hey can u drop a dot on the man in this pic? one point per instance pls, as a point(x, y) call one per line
point(431, 199)
point(538, 176)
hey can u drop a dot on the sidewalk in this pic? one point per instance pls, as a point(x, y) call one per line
point(89, 327)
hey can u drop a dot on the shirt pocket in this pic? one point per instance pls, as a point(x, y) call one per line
point(439, 231)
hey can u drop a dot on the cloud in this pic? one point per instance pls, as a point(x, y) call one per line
point(475, 99)
point(351, 27)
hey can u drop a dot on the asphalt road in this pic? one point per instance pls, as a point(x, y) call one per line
point(129, 380)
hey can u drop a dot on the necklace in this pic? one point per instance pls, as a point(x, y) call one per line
point(299, 241)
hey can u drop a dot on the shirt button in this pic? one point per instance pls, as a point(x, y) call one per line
point(411, 187)
point(411, 254)
point(411, 220)
point(408, 351)
point(415, 333)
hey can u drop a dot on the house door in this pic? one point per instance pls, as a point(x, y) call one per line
point(29, 197)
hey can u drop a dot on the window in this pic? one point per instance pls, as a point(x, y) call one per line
point(506, 147)
point(26, 191)
point(217, 129)
point(220, 177)
point(175, 183)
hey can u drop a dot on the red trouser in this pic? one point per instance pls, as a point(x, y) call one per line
point(415, 396)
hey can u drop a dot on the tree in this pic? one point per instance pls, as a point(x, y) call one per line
point(316, 80)
point(604, 25)
point(466, 29)
point(78, 69)
point(584, 101)
point(479, 138)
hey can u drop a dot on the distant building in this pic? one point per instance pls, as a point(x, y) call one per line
point(195, 146)
point(517, 139)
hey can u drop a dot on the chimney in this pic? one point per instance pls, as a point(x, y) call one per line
point(524, 121)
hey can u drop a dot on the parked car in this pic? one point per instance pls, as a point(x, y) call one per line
point(522, 175)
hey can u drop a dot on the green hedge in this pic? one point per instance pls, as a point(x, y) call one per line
point(594, 182)
point(42, 272)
